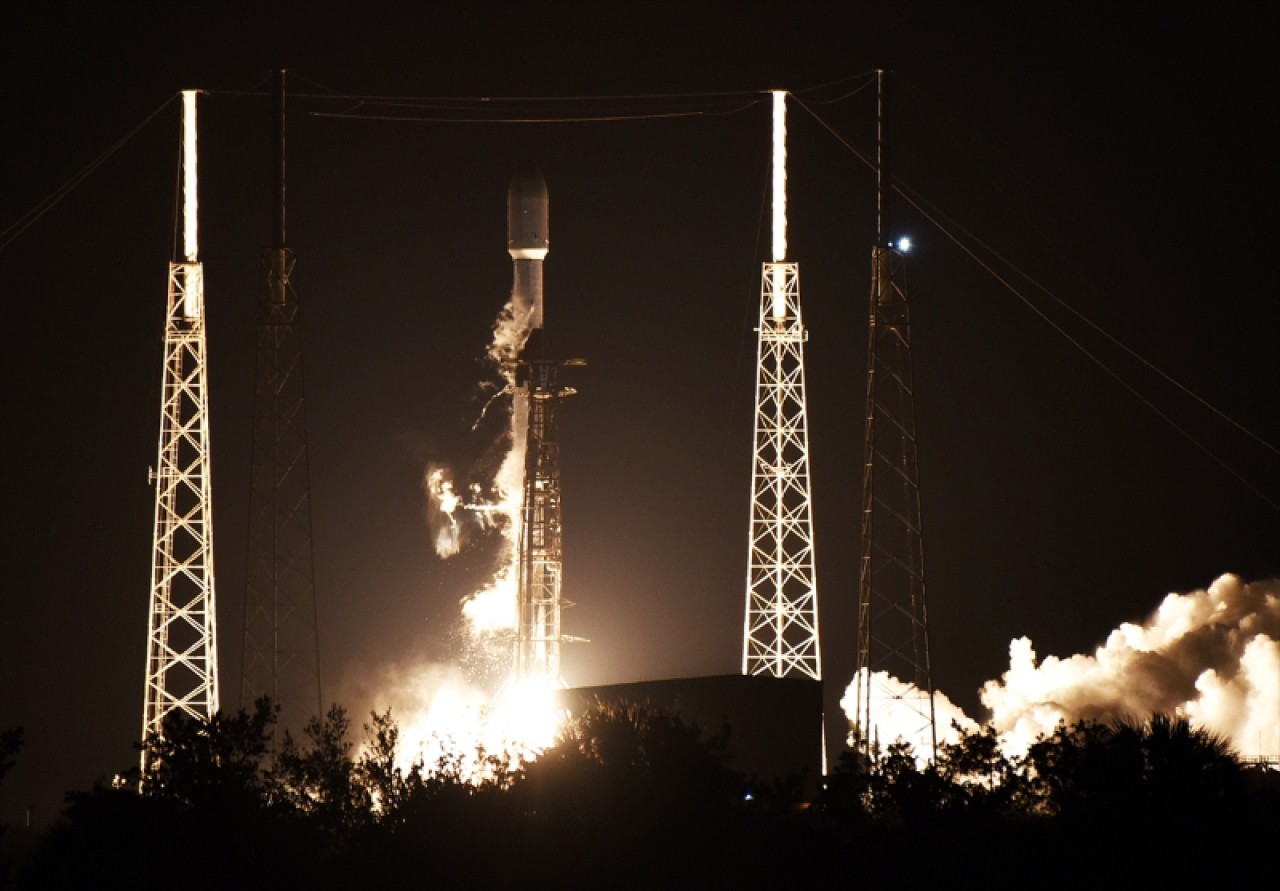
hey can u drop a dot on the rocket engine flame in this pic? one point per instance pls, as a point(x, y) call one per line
point(1210, 655)
point(447, 716)
point(449, 724)
point(442, 506)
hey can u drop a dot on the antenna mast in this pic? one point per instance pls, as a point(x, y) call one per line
point(182, 652)
point(780, 635)
point(893, 630)
point(281, 657)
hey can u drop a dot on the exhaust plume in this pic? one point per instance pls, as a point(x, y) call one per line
point(896, 717)
point(447, 722)
point(1210, 655)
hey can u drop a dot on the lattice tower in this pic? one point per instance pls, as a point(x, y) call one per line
point(780, 636)
point(182, 653)
point(893, 630)
point(541, 556)
point(281, 656)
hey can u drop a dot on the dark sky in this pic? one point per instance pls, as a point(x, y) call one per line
point(1123, 160)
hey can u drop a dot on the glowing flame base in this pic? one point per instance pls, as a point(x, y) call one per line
point(450, 725)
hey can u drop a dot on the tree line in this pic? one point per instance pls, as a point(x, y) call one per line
point(633, 796)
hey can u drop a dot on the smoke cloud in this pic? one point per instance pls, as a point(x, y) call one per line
point(489, 613)
point(896, 713)
point(1211, 655)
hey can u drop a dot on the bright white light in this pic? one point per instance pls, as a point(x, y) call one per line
point(779, 287)
point(904, 244)
point(193, 291)
point(493, 609)
point(446, 720)
point(900, 710)
point(442, 506)
point(190, 243)
point(779, 175)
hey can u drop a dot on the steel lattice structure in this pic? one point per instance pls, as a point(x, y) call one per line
point(540, 556)
point(281, 642)
point(781, 633)
point(894, 686)
point(182, 653)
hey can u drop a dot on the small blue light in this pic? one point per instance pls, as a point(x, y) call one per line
point(904, 244)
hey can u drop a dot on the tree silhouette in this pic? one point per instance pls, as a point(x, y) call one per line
point(626, 781)
point(629, 791)
point(10, 745)
point(213, 765)
point(320, 781)
point(389, 786)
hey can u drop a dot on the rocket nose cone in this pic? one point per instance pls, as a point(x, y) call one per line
point(527, 185)
point(527, 212)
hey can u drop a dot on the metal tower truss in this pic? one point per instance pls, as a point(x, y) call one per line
point(182, 657)
point(281, 645)
point(781, 632)
point(540, 569)
point(894, 695)
point(182, 650)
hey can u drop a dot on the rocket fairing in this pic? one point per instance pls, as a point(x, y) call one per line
point(527, 241)
point(527, 216)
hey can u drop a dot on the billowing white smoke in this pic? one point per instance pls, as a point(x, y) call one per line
point(1211, 655)
point(490, 612)
point(511, 332)
point(899, 710)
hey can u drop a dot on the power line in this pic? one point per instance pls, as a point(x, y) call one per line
point(919, 204)
point(13, 230)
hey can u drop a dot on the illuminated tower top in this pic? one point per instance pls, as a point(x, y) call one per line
point(190, 201)
point(779, 175)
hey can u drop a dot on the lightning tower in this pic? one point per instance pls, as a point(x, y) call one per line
point(780, 637)
point(182, 651)
point(535, 410)
point(281, 655)
point(893, 629)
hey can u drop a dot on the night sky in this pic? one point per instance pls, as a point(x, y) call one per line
point(1125, 161)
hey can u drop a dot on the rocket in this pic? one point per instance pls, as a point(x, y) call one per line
point(536, 395)
point(527, 241)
